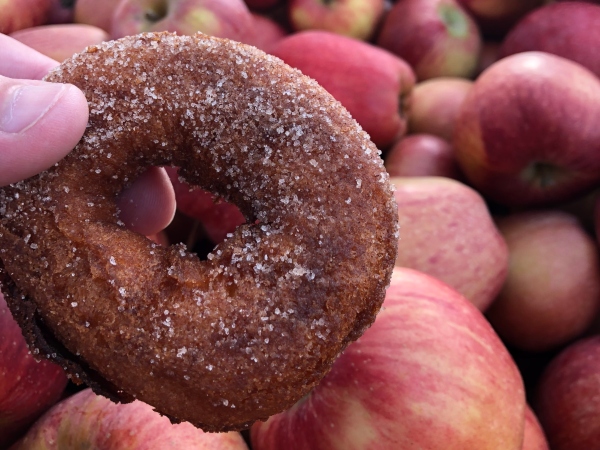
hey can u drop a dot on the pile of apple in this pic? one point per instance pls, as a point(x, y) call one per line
point(487, 113)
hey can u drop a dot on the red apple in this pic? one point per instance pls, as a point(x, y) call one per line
point(446, 231)
point(27, 387)
point(19, 14)
point(496, 17)
point(436, 37)
point(569, 29)
point(527, 132)
point(434, 105)
point(534, 437)
point(94, 12)
point(567, 401)
point(60, 41)
point(552, 290)
point(222, 18)
point(266, 32)
point(353, 18)
point(421, 155)
point(88, 421)
point(373, 84)
point(430, 373)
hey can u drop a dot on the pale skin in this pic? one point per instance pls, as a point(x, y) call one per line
point(41, 122)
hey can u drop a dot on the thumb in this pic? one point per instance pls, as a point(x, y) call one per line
point(40, 123)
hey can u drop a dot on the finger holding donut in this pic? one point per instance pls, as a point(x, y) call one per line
point(244, 334)
point(41, 122)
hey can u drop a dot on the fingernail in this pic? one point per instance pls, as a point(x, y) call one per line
point(24, 105)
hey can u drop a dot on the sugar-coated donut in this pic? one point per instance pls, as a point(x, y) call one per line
point(233, 339)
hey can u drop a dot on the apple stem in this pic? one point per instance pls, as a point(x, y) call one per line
point(543, 175)
point(157, 13)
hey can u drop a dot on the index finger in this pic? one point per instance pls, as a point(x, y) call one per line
point(20, 61)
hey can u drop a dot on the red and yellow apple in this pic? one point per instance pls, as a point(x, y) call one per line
point(18, 14)
point(222, 18)
point(27, 386)
point(89, 421)
point(353, 18)
point(434, 105)
point(446, 231)
point(527, 133)
point(421, 155)
point(60, 41)
point(568, 29)
point(567, 399)
point(552, 290)
point(430, 373)
point(436, 37)
point(373, 84)
point(93, 12)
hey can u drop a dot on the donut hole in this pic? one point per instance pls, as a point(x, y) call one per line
point(202, 220)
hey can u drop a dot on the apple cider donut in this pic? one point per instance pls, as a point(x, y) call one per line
point(229, 340)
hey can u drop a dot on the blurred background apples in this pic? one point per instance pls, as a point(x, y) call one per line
point(567, 400)
point(18, 14)
point(353, 18)
point(60, 41)
point(446, 231)
point(435, 103)
point(373, 84)
point(568, 29)
point(222, 18)
point(27, 386)
point(552, 290)
point(421, 155)
point(436, 37)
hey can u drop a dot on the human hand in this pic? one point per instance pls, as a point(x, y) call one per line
point(41, 122)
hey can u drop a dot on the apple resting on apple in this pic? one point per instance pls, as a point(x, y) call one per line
point(434, 105)
point(527, 133)
point(569, 29)
point(567, 400)
point(534, 437)
point(60, 41)
point(222, 18)
point(18, 14)
point(93, 12)
point(430, 373)
point(89, 421)
point(446, 231)
point(266, 32)
point(552, 290)
point(353, 18)
point(436, 37)
point(496, 17)
point(421, 155)
point(374, 85)
point(27, 387)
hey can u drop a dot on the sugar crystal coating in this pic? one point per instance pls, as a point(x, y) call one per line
point(243, 335)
